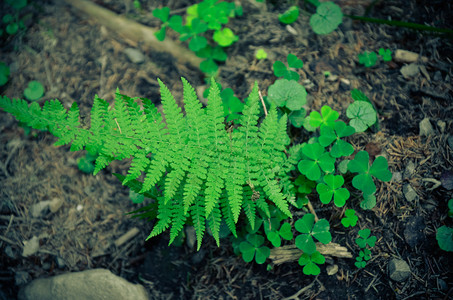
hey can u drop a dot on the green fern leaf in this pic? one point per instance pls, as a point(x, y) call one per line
point(214, 220)
point(164, 216)
point(198, 222)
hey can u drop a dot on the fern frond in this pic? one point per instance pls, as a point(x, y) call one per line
point(199, 221)
point(164, 216)
point(214, 220)
point(228, 215)
point(178, 220)
point(249, 206)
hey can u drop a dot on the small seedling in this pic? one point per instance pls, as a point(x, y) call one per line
point(350, 219)
point(34, 91)
point(260, 54)
point(386, 54)
point(280, 69)
point(327, 18)
point(4, 73)
point(289, 16)
point(362, 115)
point(365, 239)
point(86, 163)
point(364, 256)
point(225, 37)
point(368, 59)
point(317, 159)
point(252, 248)
point(287, 93)
point(444, 238)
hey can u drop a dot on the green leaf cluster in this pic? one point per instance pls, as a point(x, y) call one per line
point(362, 241)
point(253, 247)
point(206, 173)
point(369, 59)
point(11, 20)
point(309, 230)
point(281, 70)
point(361, 112)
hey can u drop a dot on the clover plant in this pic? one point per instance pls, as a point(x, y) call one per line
point(232, 106)
point(365, 238)
point(289, 16)
point(350, 219)
point(281, 70)
point(364, 179)
point(287, 93)
point(362, 115)
point(316, 159)
point(444, 237)
point(327, 117)
point(253, 247)
point(334, 135)
point(34, 91)
point(332, 189)
point(368, 59)
point(327, 18)
point(386, 54)
point(260, 54)
point(201, 18)
point(12, 21)
point(364, 256)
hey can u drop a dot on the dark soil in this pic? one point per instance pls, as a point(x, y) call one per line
point(77, 58)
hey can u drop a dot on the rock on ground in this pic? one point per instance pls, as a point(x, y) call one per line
point(96, 284)
point(398, 270)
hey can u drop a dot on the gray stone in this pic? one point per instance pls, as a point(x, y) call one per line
point(413, 233)
point(398, 270)
point(410, 70)
point(96, 284)
point(134, 55)
point(442, 125)
point(55, 204)
point(437, 76)
point(397, 177)
point(426, 128)
point(191, 236)
point(409, 193)
point(60, 262)
point(410, 170)
point(31, 246)
point(39, 209)
point(21, 278)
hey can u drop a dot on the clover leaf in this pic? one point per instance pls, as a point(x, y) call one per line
point(284, 232)
point(251, 248)
point(289, 16)
point(386, 54)
point(225, 37)
point(444, 237)
point(280, 69)
point(362, 115)
point(197, 42)
point(368, 59)
point(310, 261)
point(365, 238)
point(317, 160)
point(309, 229)
point(260, 54)
point(327, 18)
point(327, 117)
point(175, 22)
point(329, 134)
point(34, 91)
point(350, 219)
point(297, 117)
point(232, 106)
point(364, 256)
point(211, 54)
point(287, 93)
point(305, 185)
point(364, 180)
point(368, 202)
point(331, 189)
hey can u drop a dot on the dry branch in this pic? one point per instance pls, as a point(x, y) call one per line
point(133, 32)
point(292, 253)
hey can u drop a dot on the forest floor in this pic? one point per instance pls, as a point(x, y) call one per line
point(76, 58)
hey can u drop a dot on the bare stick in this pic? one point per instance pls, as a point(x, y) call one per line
point(262, 102)
point(292, 253)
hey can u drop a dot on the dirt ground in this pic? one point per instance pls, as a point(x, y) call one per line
point(76, 58)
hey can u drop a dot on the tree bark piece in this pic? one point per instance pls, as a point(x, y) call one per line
point(292, 253)
point(133, 32)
